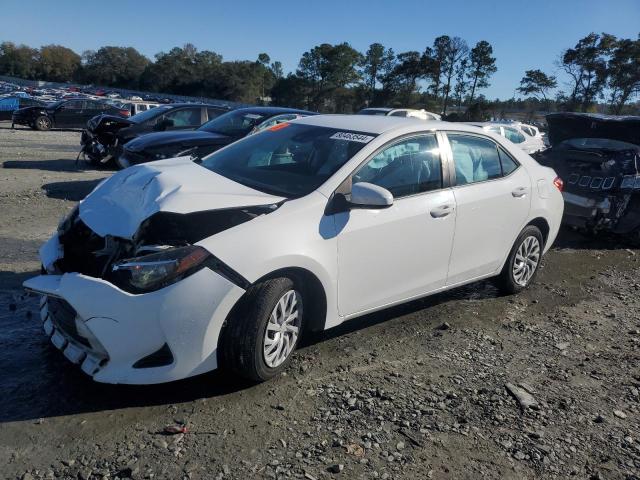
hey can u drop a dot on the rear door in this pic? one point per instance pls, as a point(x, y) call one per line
point(188, 118)
point(493, 196)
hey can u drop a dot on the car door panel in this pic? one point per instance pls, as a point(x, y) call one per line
point(388, 255)
point(490, 215)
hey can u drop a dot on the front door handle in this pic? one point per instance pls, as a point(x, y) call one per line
point(519, 192)
point(441, 211)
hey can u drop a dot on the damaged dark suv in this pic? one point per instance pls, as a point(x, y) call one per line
point(598, 157)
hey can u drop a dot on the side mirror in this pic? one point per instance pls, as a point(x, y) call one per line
point(368, 195)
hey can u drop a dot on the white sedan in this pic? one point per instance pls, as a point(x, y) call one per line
point(527, 137)
point(174, 268)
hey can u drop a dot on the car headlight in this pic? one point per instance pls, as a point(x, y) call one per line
point(157, 270)
point(160, 156)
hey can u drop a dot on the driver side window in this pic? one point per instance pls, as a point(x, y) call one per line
point(408, 167)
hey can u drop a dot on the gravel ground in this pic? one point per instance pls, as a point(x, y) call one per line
point(466, 384)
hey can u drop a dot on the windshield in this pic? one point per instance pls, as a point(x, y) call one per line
point(287, 160)
point(372, 111)
point(234, 124)
point(144, 116)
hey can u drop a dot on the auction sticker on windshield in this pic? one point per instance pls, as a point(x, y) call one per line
point(352, 137)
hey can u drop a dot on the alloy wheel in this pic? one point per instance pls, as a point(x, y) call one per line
point(43, 123)
point(526, 260)
point(283, 329)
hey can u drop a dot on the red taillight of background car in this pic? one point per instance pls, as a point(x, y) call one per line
point(125, 113)
point(558, 183)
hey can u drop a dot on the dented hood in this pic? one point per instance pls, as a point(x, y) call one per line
point(119, 204)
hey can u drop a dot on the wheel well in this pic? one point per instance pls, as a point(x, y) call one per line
point(312, 292)
point(542, 224)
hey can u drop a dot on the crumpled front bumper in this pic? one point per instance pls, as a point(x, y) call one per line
point(123, 328)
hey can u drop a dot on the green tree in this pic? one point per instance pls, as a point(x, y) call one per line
point(113, 66)
point(183, 71)
point(536, 82)
point(438, 55)
point(586, 65)
point(57, 63)
point(18, 60)
point(377, 62)
point(624, 73)
point(482, 66)
point(456, 49)
point(462, 80)
point(409, 69)
point(277, 70)
point(292, 91)
point(267, 74)
point(328, 68)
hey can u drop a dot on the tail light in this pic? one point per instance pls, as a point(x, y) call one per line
point(125, 113)
point(558, 183)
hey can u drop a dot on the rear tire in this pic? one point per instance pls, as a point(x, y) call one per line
point(523, 261)
point(43, 123)
point(263, 330)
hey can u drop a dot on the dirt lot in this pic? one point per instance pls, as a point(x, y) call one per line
point(418, 391)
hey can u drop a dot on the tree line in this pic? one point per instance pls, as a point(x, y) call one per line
point(600, 67)
point(447, 76)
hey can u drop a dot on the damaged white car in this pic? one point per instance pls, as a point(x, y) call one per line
point(174, 268)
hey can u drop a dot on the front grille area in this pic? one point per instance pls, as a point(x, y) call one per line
point(63, 317)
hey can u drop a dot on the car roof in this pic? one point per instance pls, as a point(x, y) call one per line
point(379, 109)
point(381, 124)
point(273, 110)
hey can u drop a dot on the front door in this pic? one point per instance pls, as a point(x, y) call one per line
point(392, 254)
point(493, 197)
point(69, 114)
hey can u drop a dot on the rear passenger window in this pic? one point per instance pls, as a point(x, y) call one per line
point(475, 159)
point(409, 167)
point(187, 117)
point(507, 161)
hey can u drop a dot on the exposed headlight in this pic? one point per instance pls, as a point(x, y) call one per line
point(155, 271)
point(159, 156)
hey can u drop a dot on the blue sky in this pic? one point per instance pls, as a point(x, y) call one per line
point(525, 34)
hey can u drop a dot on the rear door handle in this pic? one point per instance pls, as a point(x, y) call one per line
point(441, 211)
point(519, 192)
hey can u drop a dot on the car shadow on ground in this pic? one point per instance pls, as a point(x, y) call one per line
point(6, 125)
point(576, 240)
point(59, 165)
point(75, 190)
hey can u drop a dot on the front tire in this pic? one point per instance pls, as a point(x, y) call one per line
point(521, 266)
point(262, 332)
point(43, 123)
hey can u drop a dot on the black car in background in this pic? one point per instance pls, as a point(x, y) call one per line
point(209, 137)
point(10, 104)
point(598, 158)
point(71, 113)
point(105, 135)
